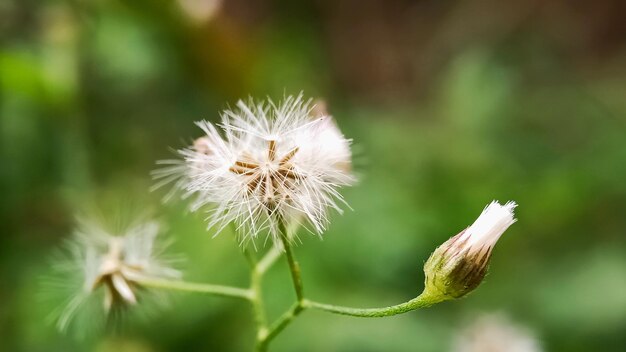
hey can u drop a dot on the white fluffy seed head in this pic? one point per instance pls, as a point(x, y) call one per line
point(264, 163)
point(98, 265)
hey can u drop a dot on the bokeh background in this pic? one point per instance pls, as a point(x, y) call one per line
point(450, 104)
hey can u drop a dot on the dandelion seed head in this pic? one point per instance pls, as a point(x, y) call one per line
point(265, 162)
point(100, 269)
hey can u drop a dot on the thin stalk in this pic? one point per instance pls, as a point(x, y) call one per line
point(420, 301)
point(279, 325)
point(216, 290)
point(294, 267)
point(257, 304)
point(268, 259)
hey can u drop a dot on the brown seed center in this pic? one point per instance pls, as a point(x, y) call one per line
point(271, 178)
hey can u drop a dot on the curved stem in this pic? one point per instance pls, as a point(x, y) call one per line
point(217, 290)
point(421, 301)
point(266, 334)
point(294, 267)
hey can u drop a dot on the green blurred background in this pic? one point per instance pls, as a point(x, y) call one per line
point(450, 104)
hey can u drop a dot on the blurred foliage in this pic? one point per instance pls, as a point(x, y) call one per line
point(450, 104)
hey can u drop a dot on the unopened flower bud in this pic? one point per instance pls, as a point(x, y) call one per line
point(459, 265)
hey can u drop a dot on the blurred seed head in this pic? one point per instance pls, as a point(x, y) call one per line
point(459, 265)
point(495, 332)
point(100, 266)
point(269, 162)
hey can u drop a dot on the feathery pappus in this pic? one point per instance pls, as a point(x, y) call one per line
point(265, 163)
point(97, 265)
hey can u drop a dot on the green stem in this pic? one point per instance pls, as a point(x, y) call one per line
point(257, 304)
point(258, 269)
point(217, 290)
point(279, 325)
point(421, 301)
point(294, 267)
point(268, 259)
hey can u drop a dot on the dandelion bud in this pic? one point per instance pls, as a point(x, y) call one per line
point(459, 265)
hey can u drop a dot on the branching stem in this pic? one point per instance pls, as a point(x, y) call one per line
point(265, 332)
point(294, 268)
point(217, 290)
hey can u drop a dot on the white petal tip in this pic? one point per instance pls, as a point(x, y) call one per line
point(491, 223)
